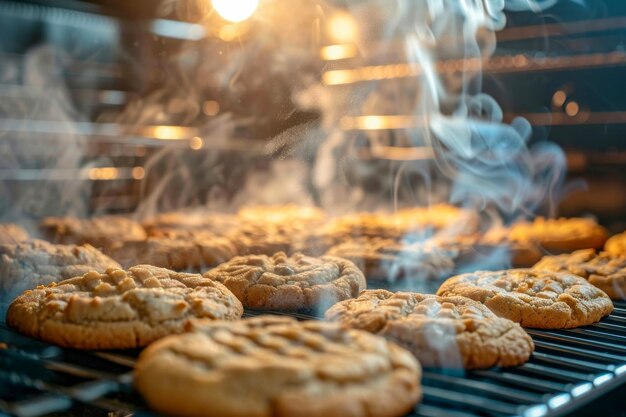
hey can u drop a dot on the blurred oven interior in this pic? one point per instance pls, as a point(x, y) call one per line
point(113, 106)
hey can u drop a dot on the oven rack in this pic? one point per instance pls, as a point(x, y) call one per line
point(568, 369)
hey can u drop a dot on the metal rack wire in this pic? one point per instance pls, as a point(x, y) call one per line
point(568, 369)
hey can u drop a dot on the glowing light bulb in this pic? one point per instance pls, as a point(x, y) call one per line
point(235, 10)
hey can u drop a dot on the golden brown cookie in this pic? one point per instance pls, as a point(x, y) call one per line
point(12, 233)
point(275, 366)
point(120, 309)
point(560, 235)
point(101, 232)
point(522, 252)
point(616, 245)
point(36, 262)
point(439, 218)
point(197, 253)
point(190, 222)
point(266, 239)
point(282, 282)
point(603, 270)
point(451, 332)
point(357, 225)
point(282, 214)
point(533, 298)
point(389, 260)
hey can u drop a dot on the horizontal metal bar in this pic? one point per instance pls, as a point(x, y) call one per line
point(38, 406)
point(619, 311)
point(469, 400)
point(577, 340)
point(556, 373)
point(504, 392)
point(434, 411)
point(526, 382)
point(117, 358)
point(573, 363)
point(613, 328)
point(600, 334)
point(615, 319)
point(604, 357)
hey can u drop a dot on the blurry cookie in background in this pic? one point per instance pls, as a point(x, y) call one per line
point(560, 235)
point(100, 232)
point(272, 366)
point(12, 233)
point(438, 217)
point(448, 332)
point(388, 260)
point(36, 262)
point(268, 238)
point(534, 298)
point(289, 283)
point(190, 221)
point(195, 253)
point(281, 214)
point(603, 270)
point(120, 309)
point(521, 252)
point(616, 245)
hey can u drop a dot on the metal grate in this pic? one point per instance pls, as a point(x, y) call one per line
point(568, 369)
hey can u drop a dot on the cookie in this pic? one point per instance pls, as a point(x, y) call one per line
point(616, 245)
point(390, 260)
point(197, 253)
point(288, 213)
point(450, 332)
point(603, 270)
point(438, 218)
point(100, 232)
point(560, 235)
point(296, 282)
point(266, 239)
point(275, 366)
point(533, 298)
point(522, 252)
point(120, 309)
point(191, 221)
point(36, 262)
point(357, 225)
point(12, 233)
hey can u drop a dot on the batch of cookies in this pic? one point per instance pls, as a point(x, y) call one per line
point(178, 284)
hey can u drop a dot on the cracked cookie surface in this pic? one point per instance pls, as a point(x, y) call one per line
point(282, 282)
point(101, 232)
point(120, 309)
point(388, 259)
point(36, 262)
point(276, 366)
point(450, 332)
point(603, 270)
point(195, 253)
point(533, 298)
point(560, 235)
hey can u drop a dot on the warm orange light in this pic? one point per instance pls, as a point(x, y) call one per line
point(196, 143)
point(336, 52)
point(103, 173)
point(572, 108)
point(343, 28)
point(228, 33)
point(558, 99)
point(138, 173)
point(235, 10)
point(170, 132)
point(211, 107)
point(376, 122)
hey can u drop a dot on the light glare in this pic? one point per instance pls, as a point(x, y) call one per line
point(235, 10)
